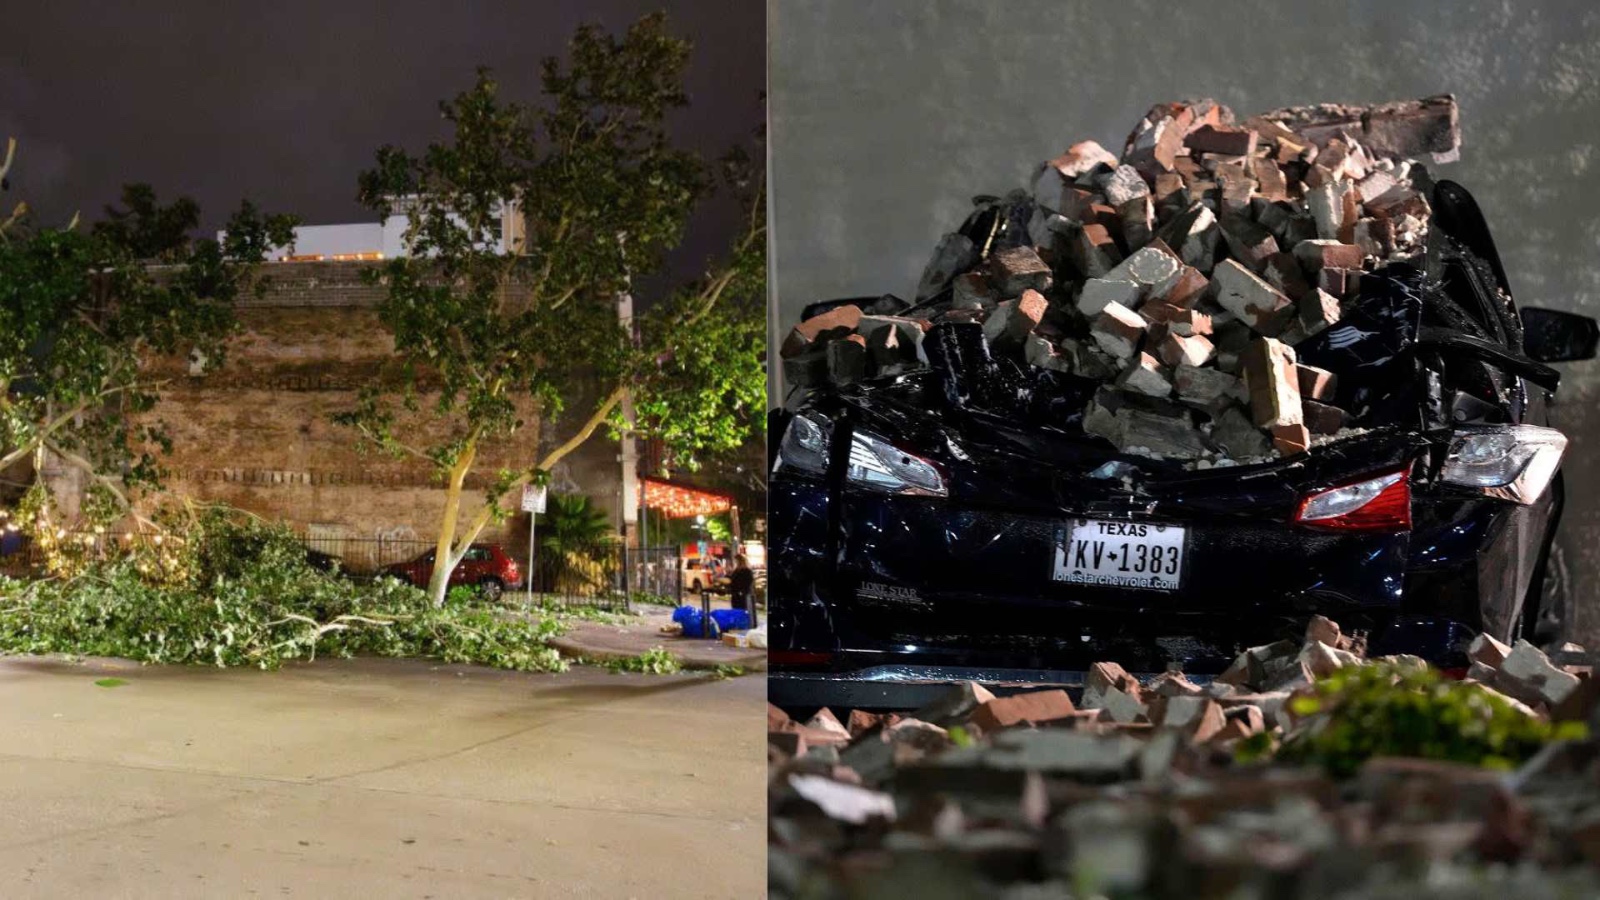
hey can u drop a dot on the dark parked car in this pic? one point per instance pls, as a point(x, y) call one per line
point(956, 521)
point(486, 566)
point(324, 562)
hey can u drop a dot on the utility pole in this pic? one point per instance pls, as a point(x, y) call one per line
point(630, 446)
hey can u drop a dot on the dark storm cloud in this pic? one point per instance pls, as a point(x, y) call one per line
point(285, 102)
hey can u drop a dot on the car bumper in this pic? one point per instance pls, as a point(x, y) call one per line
point(909, 687)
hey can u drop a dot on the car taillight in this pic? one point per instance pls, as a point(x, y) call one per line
point(798, 658)
point(1379, 503)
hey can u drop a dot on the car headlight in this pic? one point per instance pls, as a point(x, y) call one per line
point(1512, 462)
point(804, 447)
point(881, 466)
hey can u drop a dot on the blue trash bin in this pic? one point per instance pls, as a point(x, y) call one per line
point(694, 622)
point(731, 619)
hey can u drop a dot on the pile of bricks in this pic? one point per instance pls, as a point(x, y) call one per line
point(1180, 275)
point(1136, 790)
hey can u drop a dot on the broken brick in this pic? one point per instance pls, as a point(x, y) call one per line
point(1018, 269)
point(1237, 435)
point(1138, 219)
point(1082, 158)
point(1193, 234)
point(1488, 651)
point(1328, 210)
point(835, 323)
point(1320, 418)
point(973, 290)
point(1248, 242)
point(1315, 383)
point(1273, 383)
point(1186, 289)
point(1205, 388)
point(1324, 630)
point(1155, 150)
point(1016, 709)
point(1412, 128)
point(1014, 320)
point(1177, 349)
point(1222, 139)
point(892, 341)
point(1038, 351)
point(1399, 201)
point(1097, 292)
point(1270, 181)
point(1236, 195)
point(1283, 272)
point(1290, 439)
point(1314, 255)
point(955, 704)
point(1317, 309)
point(1374, 185)
point(1118, 330)
point(1122, 184)
point(1152, 268)
point(1243, 293)
point(1092, 250)
point(1157, 312)
point(826, 722)
point(1145, 375)
point(1187, 322)
point(1528, 675)
point(847, 359)
point(1168, 194)
point(1339, 282)
point(1374, 237)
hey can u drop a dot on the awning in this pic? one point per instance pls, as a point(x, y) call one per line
point(680, 501)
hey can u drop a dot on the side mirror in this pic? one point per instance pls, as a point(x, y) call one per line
point(1550, 335)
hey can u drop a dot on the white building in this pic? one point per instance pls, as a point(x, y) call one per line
point(376, 240)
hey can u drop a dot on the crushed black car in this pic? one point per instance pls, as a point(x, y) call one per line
point(958, 518)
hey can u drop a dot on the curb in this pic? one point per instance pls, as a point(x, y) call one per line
point(755, 661)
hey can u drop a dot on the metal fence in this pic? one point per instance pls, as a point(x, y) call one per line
point(22, 558)
point(605, 575)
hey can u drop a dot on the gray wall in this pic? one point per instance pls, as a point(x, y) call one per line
point(886, 117)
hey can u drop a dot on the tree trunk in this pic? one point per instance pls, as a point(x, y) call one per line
point(444, 560)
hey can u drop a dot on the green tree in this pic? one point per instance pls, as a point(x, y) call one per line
point(80, 309)
point(602, 195)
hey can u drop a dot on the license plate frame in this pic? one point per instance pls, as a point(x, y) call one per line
point(1116, 562)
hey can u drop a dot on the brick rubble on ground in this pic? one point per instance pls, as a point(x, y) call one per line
point(1211, 245)
point(1135, 790)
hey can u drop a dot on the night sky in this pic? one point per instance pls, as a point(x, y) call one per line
point(286, 102)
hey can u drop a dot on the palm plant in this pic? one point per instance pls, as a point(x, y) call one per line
point(575, 541)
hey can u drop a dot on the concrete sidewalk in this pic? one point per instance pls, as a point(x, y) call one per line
point(601, 643)
point(380, 778)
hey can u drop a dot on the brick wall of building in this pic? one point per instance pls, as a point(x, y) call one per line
point(257, 433)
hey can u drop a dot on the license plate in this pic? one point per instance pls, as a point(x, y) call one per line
point(1120, 554)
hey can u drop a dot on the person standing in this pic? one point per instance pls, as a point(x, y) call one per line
point(740, 584)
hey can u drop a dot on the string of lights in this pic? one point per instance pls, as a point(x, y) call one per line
point(678, 501)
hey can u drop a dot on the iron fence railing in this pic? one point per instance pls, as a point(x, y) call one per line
point(599, 574)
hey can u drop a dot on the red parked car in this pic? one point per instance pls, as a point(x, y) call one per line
point(486, 565)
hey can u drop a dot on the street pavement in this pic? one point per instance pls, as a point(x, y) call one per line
point(378, 778)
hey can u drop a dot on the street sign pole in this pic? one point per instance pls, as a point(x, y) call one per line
point(533, 497)
point(533, 521)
